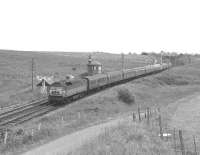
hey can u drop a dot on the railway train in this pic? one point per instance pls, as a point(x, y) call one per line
point(64, 91)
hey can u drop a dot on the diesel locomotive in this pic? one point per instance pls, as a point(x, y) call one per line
point(64, 91)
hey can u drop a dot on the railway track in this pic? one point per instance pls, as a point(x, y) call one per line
point(20, 114)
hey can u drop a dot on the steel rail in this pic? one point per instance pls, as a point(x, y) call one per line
point(28, 110)
point(18, 106)
point(27, 115)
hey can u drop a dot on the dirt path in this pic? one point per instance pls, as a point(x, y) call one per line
point(185, 114)
point(71, 142)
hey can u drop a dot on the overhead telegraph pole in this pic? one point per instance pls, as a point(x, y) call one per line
point(32, 72)
point(161, 57)
point(122, 60)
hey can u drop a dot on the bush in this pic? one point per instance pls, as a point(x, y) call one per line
point(125, 96)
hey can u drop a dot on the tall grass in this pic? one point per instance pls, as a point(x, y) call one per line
point(128, 138)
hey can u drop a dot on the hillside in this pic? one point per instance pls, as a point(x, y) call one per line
point(153, 91)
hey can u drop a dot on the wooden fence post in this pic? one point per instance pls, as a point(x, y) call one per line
point(79, 115)
point(181, 142)
point(174, 138)
point(39, 126)
point(150, 112)
point(158, 111)
point(32, 133)
point(166, 132)
point(134, 117)
point(160, 126)
point(195, 146)
point(139, 117)
point(148, 115)
point(5, 136)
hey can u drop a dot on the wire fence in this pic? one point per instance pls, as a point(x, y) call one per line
point(179, 141)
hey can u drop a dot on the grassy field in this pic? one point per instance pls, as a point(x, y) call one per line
point(154, 91)
point(15, 70)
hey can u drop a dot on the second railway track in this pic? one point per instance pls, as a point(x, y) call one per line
point(20, 114)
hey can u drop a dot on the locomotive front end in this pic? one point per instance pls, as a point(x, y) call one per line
point(56, 94)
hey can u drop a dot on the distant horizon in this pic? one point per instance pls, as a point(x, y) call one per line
point(54, 51)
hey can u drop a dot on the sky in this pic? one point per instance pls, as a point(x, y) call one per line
point(116, 26)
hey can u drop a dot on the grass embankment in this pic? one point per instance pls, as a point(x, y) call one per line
point(127, 138)
point(15, 70)
point(154, 91)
